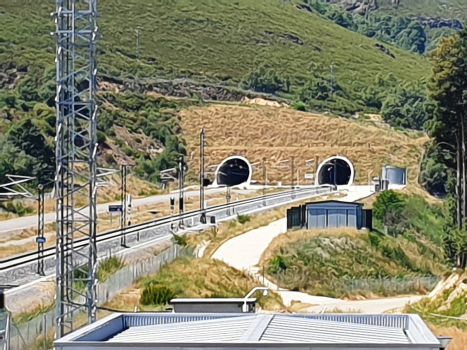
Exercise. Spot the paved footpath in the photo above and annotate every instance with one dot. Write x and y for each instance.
(244, 253)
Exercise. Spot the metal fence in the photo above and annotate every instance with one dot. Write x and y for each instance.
(25, 335)
(383, 286)
(389, 286)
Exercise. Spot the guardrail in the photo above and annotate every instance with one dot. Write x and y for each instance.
(150, 230)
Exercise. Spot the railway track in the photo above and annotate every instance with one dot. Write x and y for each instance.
(187, 218)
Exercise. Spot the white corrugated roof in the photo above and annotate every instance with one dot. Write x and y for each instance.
(223, 330)
(283, 329)
(264, 328)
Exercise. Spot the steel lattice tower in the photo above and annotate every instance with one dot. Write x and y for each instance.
(76, 169)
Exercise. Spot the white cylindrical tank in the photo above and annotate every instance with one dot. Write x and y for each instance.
(394, 175)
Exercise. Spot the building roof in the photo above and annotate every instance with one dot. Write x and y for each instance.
(211, 300)
(330, 331)
(334, 202)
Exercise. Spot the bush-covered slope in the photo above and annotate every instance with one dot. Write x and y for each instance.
(220, 41)
(327, 262)
(225, 47)
(277, 134)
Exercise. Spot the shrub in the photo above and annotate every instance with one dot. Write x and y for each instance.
(17, 208)
(109, 158)
(385, 202)
(156, 295)
(243, 218)
(279, 263)
(101, 137)
(108, 267)
(300, 106)
(180, 240)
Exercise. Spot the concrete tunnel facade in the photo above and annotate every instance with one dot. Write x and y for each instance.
(336, 170)
(233, 171)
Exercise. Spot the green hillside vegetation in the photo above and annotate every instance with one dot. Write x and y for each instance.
(447, 10)
(128, 125)
(221, 42)
(429, 8)
(328, 262)
(242, 47)
(414, 25)
(404, 32)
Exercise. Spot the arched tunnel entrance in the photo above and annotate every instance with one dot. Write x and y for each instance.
(233, 171)
(335, 171)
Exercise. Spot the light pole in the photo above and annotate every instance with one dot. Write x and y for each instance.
(332, 80)
(138, 46)
(202, 166)
(40, 230)
(265, 177)
(282, 162)
(292, 164)
(123, 201)
(181, 194)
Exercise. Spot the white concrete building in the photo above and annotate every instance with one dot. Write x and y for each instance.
(167, 331)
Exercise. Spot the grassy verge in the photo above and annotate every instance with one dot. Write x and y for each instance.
(227, 230)
(195, 278)
(459, 336)
(140, 214)
(326, 262)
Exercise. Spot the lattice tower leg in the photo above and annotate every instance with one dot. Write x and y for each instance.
(76, 171)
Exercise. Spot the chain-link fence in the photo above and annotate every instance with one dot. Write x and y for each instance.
(36, 333)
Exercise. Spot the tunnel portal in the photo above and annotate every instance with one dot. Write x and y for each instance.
(336, 171)
(234, 171)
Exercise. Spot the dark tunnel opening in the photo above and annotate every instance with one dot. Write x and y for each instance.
(335, 172)
(233, 172)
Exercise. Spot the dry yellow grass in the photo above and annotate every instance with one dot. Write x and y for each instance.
(279, 133)
(459, 336)
(196, 278)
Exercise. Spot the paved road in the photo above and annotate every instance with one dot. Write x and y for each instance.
(30, 221)
(244, 253)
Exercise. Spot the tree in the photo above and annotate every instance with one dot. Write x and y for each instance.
(434, 173)
(448, 91)
(387, 203)
(267, 81)
(406, 108)
(28, 152)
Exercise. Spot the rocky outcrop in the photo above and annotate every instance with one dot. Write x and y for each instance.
(447, 291)
(438, 22)
(304, 7)
(182, 88)
(356, 6)
(286, 36)
(384, 50)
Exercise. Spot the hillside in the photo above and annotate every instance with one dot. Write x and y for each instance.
(447, 9)
(202, 50)
(212, 42)
(422, 21)
(343, 262)
(280, 133)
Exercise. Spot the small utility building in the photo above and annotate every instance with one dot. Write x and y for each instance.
(329, 214)
(204, 331)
